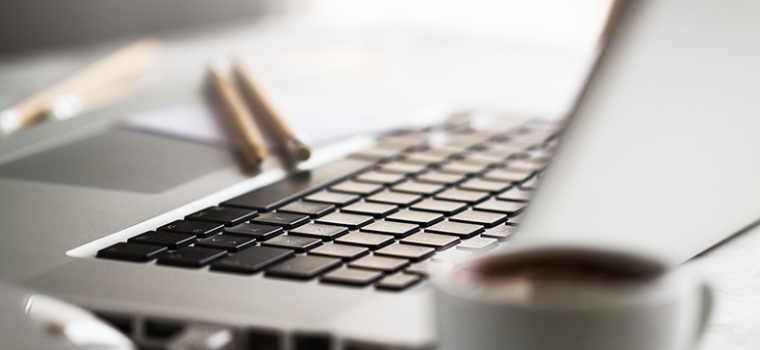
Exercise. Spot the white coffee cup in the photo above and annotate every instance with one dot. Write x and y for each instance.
(569, 298)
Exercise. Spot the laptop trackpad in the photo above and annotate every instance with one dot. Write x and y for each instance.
(121, 160)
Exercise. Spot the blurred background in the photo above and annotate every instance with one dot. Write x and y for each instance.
(391, 58)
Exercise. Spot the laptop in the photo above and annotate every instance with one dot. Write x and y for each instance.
(656, 159)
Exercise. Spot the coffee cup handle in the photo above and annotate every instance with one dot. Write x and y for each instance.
(705, 311)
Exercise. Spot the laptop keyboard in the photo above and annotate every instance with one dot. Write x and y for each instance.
(382, 217)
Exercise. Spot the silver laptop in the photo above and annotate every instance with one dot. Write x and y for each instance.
(158, 235)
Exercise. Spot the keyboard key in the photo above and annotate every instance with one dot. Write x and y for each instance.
(303, 267)
(198, 228)
(375, 177)
(504, 207)
(312, 209)
(452, 255)
(258, 231)
(530, 184)
(323, 232)
(298, 185)
(524, 166)
(457, 195)
(403, 168)
(251, 260)
(479, 218)
(379, 263)
(435, 177)
(165, 239)
(443, 207)
(227, 242)
(444, 151)
(420, 268)
(190, 257)
(339, 199)
(418, 188)
(456, 229)
(369, 240)
(517, 219)
(485, 186)
(516, 195)
(131, 252)
(341, 251)
(395, 229)
(406, 251)
(500, 232)
(433, 240)
(459, 168)
(222, 215)
(482, 160)
(354, 277)
(502, 175)
(425, 159)
(285, 220)
(398, 282)
(377, 154)
(299, 244)
(477, 244)
(352, 187)
(421, 218)
(352, 221)
(374, 209)
(401, 199)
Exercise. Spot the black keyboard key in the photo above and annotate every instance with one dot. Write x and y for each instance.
(443, 207)
(455, 228)
(478, 244)
(190, 257)
(222, 215)
(340, 251)
(398, 282)
(323, 232)
(198, 228)
(503, 175)
(401, 199)
(435, 177)
(354, 277)
(459, 168)
(395, 229)
(516, 194)
(500, 232)
(457, 195)
(339, 199)
(433, 240)
(312, 209)
(418, 188)
(374, 209)
(369, 240)
(229, 243)
(379, 263)
(299, 244)
(131, 252)
(375, 177)
(352, 221)
(504, 207)
(258, 231)
(406, 251)
(485, 186)
(303, 267)
(479, 218)
(284, 220)
(251, 260)
(165, 239)
(421, 218)
(352, 187)
(403, 168)
(298, 185)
